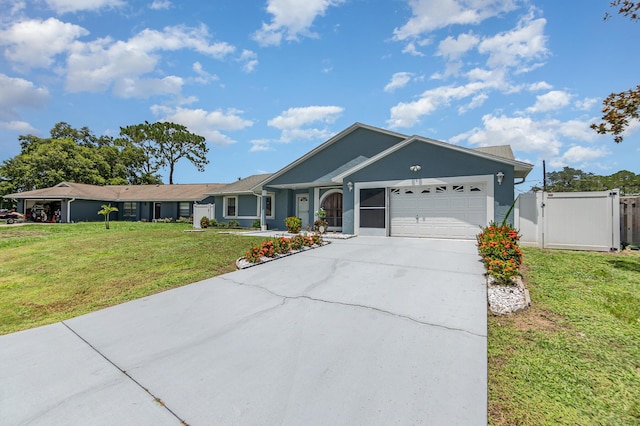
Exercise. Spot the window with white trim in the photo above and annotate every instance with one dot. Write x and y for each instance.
(231, 206)
(129, 210)
(183, 209)
(268, 205)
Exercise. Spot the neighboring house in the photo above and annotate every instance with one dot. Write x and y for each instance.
(372, 181)
(76, 202)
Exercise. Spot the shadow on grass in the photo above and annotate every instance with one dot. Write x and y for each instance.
(631, 264)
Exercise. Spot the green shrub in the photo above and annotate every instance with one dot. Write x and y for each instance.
(256, 224)
(234, 224)
(294, 224)
(204, 222)
(498, 246)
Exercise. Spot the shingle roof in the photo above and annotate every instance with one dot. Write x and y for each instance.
(179, 192)
(503, 151)
(241, 186)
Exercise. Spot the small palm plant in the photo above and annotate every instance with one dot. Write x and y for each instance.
(106, 211)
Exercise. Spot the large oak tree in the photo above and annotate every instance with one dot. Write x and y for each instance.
(166, 143)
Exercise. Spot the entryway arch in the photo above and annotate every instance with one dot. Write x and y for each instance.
(331, 202)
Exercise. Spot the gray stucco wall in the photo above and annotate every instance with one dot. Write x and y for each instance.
(86, 210)
(361, 142)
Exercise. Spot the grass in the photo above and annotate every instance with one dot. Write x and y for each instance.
(574, 357)
(55, 272)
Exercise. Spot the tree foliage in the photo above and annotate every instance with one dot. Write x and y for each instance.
(619, 108)
(166, 143)
(71, 155)
(106, 211)
(576, 180)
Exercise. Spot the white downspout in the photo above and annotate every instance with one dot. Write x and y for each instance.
(69, 209)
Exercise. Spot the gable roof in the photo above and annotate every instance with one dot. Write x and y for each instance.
(241, 186)
(326, 144)
(503, 151)
(521, 169)
(176, 192)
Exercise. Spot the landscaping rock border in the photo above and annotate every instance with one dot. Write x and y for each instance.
(243, 263)
(507, 299)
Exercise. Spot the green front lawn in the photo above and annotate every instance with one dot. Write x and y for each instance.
(53, 272)
(574, 357)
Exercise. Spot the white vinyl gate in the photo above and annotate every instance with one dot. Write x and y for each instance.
(570, 220)
(202, 210)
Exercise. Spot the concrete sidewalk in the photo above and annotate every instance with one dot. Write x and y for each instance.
(366, 331)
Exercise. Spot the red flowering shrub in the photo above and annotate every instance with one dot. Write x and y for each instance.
(498, 246)
(281, 245)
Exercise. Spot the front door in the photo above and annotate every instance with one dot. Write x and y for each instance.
(302, 209)
(157, 210)
(332, 205)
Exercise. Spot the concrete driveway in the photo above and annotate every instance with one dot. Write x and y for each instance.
(366, 331)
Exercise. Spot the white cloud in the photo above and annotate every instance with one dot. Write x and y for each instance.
(539, 85)
(21, 127)
(260, 145)
(577, 155)
(398, 81)
(411, 49)
(429, 15)
(586, 104)
(180, 37)
(160, 5)
(144, 88)
(291, 19)
(203, 76)
(35, 43)
(454, 48)
(209, 124)
(552, 100)
(524, 134)
(97, 65)
(294, 121)
(64, 6)
(17, 8)
(476, 102)
(17, 92)
(518, 47)
(250, 60)
(408, 114)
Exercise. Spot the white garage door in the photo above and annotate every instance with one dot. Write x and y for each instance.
(439, 211)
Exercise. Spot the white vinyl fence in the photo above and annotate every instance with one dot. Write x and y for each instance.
(202, 210)
(569, 220)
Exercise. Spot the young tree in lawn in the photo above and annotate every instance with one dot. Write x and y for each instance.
(620, 108)
(166, 143)
(107, 209)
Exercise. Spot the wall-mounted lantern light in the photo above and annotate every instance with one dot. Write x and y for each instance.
(350, 186)
(500, 176)
(415, 168)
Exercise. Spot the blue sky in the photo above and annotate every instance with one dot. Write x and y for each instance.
(266, 81)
